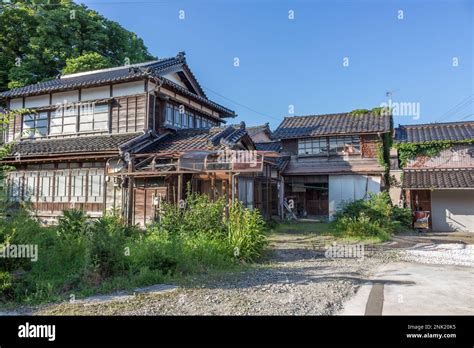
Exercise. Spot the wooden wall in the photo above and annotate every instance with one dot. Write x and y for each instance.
(49, 188)
(128, 114)
(368, 144)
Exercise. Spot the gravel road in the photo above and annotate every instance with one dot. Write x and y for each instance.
(294, 279)
(444, 254)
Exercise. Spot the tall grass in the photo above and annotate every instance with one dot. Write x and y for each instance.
(83, 256)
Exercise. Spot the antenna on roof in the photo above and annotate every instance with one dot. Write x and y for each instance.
(389, 95)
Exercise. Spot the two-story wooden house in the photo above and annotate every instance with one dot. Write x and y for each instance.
(439, 175)
(86, 135)
(333, 159)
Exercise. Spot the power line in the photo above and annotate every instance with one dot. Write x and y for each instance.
(212, 91)
(466, 117)
(456, 108)
(241, 105)
(460, 108)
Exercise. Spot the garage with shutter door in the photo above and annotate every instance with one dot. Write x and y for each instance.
(453, 210)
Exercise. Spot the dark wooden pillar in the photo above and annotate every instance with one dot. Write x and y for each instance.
(180, 188)
(268, 198)
(213, 187)
(130, 193)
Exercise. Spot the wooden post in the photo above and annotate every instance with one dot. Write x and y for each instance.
(269, 197)
(230, 189)
(144, 201)
(180, 188)
(130, 194)
(213, 187)
(225, 194)
(281, 201)
(408, 199)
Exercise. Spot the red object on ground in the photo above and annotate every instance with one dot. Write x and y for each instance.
(420, 215)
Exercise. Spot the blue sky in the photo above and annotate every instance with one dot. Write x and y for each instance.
(299, 62)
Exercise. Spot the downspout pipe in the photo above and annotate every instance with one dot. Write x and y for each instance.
(233, 185)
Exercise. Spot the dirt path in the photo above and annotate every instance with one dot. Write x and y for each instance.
(295, 279)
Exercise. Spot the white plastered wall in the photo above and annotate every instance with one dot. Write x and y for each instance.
(452, 210)
(344, 188)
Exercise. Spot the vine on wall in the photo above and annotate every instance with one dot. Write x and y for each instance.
(409, 151)
(383, 155)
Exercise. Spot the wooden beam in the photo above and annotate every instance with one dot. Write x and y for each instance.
(74, 157)
(180, 188)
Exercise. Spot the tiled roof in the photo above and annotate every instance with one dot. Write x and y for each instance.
(258, 129)
(419, 133)
(92, 78)
(269, 146)
(99, 143)
(441, 178)
(253, 130)
(215, 138)
(321, 125)
(279, 162)
(113, 75)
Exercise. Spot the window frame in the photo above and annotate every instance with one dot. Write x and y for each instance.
(94, 115)
(310, 144)
(332, 145)
(341, 141)
(37, 117)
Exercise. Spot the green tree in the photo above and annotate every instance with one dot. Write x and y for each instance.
(37, 38)
(88, 61)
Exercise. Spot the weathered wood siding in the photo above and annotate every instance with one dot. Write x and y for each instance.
(128, 114)
(52, 188)
(148, 193)
(365, 162)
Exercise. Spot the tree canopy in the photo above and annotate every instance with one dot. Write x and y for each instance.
(86, 62)
(43, 38)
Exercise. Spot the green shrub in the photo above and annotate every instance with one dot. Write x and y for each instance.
(106, 251)
(5, 284)
(21, 228)
(198, 215)
(83, 256)
(402, 216)
(202, 252)
(360, 227)
(72, 224)
(157, 251)
(245, 232)
(374, 217)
